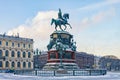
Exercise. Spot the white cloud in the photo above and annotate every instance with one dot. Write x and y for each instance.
(103, 15)
(97, 18)
(100, 4)
(38, 28)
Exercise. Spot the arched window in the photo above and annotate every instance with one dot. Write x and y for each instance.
(24, 64)
(18, 54)
(24, 54)
(0, 63)
(0, 42)
(12, 44)
(29, 55)
(18, 44)
(0, 53)
(7, 53)
(18, 64)
(6, 43)
(29, 45)
(29, 64)
(24, 45)
(12, 54)
(7, 64)
(13, 64)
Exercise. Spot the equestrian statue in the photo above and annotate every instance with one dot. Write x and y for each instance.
(62, 20)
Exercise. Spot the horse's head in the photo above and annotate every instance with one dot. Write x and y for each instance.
(52, 21)
(66, 16)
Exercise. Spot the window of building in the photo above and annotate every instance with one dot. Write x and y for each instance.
(24, 54)
(7, 64)
(18, 44)
(29, 64)
(6, 43)
(18, 54)
(0, 53)
(12, 44)
(24, 45)
(7, 53)
(0, 63)
(12, 54)
(24, 64)
(18, 64)
(29, 45)
(0, 42)
(29, 55)
(13, 64)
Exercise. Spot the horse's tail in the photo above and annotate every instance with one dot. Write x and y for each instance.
(52, 21)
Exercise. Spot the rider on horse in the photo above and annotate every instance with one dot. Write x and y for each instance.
(62, 20)
(60, 15)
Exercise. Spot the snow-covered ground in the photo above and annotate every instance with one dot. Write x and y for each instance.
(109, 76)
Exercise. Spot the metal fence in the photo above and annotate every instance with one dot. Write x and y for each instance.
(61, 72)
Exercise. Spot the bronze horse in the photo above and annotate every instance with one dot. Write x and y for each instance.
(59, 22)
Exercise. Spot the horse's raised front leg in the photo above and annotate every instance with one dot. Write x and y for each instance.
(56, 27)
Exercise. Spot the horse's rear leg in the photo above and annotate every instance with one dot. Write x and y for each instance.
(60, 27)
(56, 28)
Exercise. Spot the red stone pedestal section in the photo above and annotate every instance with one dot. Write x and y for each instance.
(68, 60)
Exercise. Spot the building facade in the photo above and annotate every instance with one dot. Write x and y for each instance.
(96, 62)
(84, 60)
(40, 60)
(110, 62)
(16, 53)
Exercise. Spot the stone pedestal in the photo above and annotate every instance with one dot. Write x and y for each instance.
(61, 51)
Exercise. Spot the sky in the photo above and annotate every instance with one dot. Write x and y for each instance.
(95, 23)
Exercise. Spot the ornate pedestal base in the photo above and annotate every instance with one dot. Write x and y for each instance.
(61, 52)
(66, 66)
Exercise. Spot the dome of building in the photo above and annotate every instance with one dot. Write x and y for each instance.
(110, 57)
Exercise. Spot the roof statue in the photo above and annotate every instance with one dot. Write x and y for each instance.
(62, 20)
